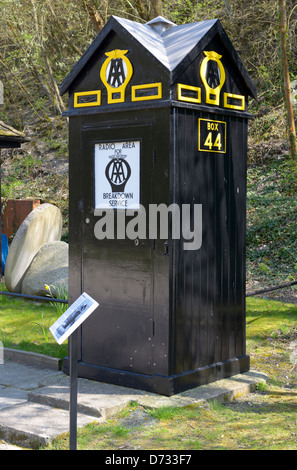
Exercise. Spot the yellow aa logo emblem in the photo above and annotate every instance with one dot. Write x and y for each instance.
(115, 73)
(213, 76)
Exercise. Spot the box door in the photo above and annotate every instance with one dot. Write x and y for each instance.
(117, 270)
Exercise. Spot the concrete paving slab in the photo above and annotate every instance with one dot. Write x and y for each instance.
(101, 399)
(32, 359)
(94, 398)
(25, 377)
(34, 402)
(221, 390)
(32, 425)
(11, 396)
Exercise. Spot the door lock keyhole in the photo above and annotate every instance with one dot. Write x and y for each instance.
(165, 248)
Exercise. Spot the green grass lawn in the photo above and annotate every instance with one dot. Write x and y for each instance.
(25, 325)
(271, 223)
(266, 419)
(271, 330)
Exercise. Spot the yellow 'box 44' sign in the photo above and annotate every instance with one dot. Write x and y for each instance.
(212, 136)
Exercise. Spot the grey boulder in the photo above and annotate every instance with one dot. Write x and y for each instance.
(48, 268)
(43, 225)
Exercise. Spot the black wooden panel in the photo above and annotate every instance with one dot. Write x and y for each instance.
(209, 284)
(118, 273)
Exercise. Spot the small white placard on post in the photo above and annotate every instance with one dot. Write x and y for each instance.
(73, 317)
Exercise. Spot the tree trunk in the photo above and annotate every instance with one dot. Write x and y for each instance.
(286, 78)
(228, 8)
(94, 15)
(157, 7)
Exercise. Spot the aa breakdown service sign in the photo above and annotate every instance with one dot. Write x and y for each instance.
(117, 174)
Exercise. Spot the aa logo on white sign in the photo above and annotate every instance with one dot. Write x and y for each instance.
(117, 173)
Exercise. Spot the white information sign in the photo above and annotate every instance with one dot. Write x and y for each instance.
(117, 175)
(73, 317)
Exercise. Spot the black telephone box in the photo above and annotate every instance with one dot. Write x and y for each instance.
(157, 171)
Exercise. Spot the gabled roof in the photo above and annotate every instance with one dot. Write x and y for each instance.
(172, 45)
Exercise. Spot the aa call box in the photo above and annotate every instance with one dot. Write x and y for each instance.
(158, 119)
